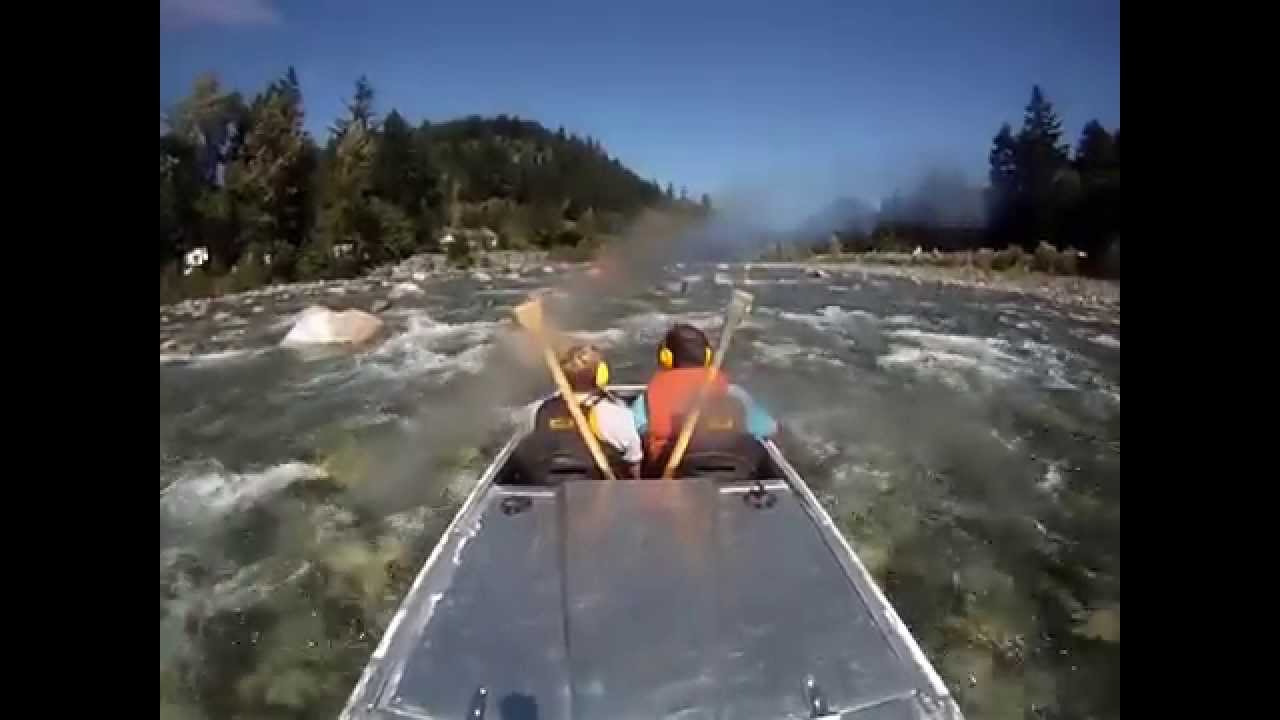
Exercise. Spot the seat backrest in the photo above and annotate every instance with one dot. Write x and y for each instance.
(534, 465)
(741, 464)
(717, 464)
(738, 456)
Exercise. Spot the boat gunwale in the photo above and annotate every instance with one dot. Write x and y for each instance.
(899, 635)
(376, 666)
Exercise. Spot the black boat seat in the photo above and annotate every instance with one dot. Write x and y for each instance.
(740, 457)
(549, 471)
(718, 465)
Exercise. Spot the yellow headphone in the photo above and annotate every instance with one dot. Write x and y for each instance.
(668, 361)
(564, 423)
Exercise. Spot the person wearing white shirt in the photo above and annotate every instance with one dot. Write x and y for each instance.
(555, 439)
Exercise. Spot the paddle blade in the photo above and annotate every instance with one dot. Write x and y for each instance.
(740, 305)
(529, 315)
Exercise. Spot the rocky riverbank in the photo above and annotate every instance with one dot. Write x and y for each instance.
(1065, 289)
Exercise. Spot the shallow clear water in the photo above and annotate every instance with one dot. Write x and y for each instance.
(967, 441)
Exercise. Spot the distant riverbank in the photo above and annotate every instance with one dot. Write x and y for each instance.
(1068, 289)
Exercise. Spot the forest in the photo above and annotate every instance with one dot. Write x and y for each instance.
(247, 190)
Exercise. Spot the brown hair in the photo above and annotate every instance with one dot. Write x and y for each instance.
(688, 345)
(579, 364)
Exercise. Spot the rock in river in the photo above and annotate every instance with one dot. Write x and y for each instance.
(321, 326)
(403, 290)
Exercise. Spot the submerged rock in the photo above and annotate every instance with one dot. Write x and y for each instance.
(319, 325)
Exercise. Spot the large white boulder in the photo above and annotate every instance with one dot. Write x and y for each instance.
(321, 326)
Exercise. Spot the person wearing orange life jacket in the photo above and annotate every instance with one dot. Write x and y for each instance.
(555, 441)
(729, 416)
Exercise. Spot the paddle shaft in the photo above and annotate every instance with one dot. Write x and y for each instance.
(731, 322)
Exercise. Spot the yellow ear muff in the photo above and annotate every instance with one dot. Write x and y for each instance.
(668, 361)
(602, 374)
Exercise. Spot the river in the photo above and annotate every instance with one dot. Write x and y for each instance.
(966, 440)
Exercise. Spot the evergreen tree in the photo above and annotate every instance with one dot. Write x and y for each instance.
(359, 111)
(209, 120)
(1041, 159)
(269, 181)
(355, 229)
(1096, 151)
(180, 189)
(402, 172)
(1003, 159)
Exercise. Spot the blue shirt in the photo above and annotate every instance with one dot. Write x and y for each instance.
(759, 422)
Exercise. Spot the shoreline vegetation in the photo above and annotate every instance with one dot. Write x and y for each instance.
(249, 199)
(962, 269)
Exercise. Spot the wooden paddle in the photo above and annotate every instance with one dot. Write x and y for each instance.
(529, 316)
(738, 308)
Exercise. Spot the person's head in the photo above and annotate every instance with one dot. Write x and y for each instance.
(684, 346)
(584, 367)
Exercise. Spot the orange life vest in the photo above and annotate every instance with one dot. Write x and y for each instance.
(669, 396)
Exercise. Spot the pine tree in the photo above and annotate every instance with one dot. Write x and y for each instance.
(209, 120)
(1041, 154)
(1030, 176)
(1096, 151)
(1003, 159)
(359, 111)
(269, 181)
(349, 218)
(402, 172)
(180, 189)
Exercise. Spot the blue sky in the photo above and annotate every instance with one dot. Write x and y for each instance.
(788, 103)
